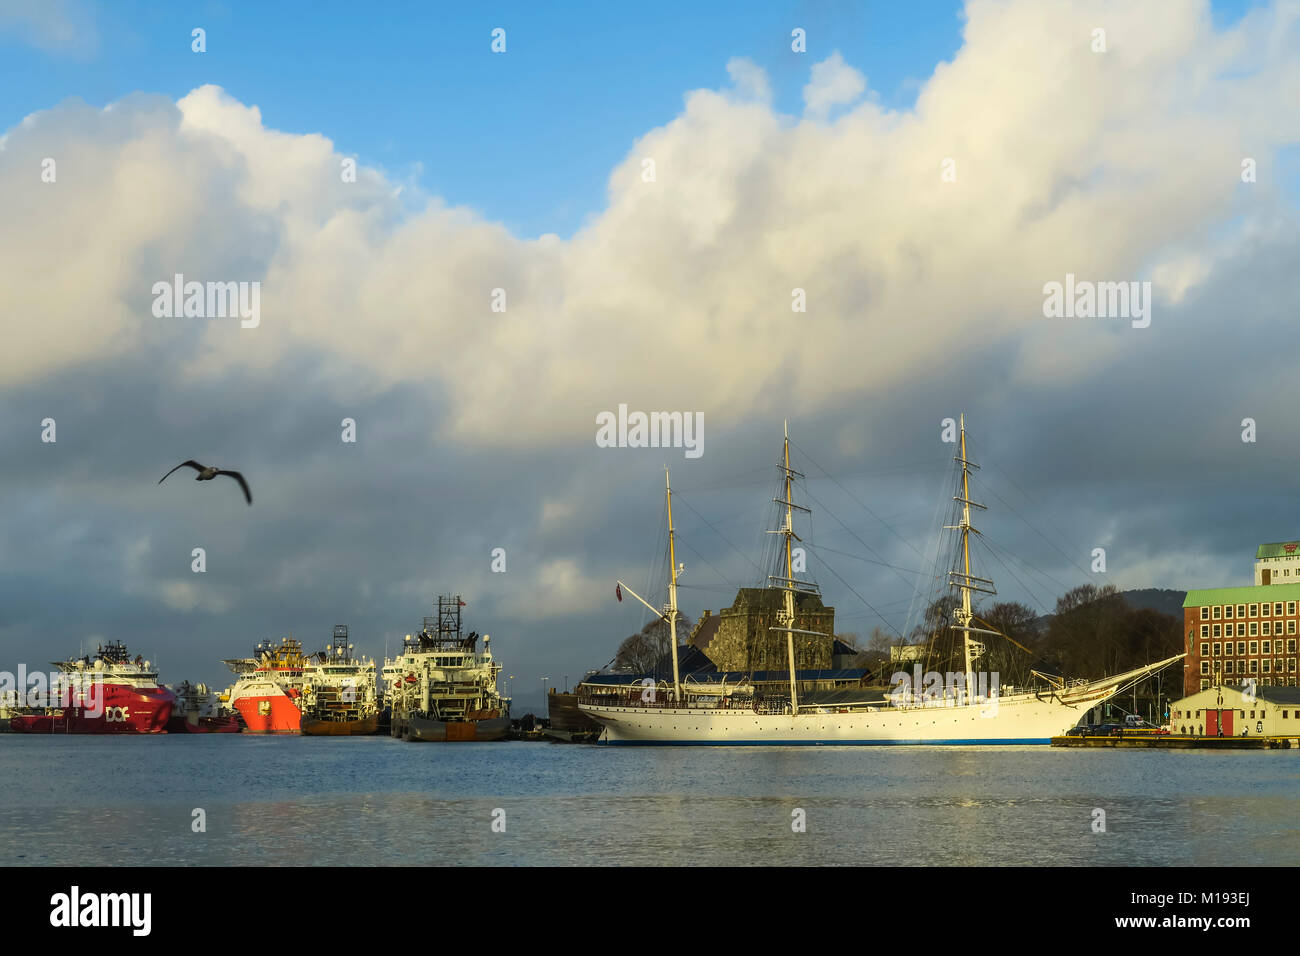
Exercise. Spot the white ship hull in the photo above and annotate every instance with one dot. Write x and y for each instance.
(1010, 719)
(1016, 721)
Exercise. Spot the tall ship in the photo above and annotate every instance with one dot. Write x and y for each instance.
(133, 702)
(440, 688)
(269, 687)
(340, 698)
(967, 710)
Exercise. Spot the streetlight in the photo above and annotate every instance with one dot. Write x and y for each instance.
(544, 680)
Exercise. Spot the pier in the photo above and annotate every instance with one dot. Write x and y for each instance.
(1180, 742)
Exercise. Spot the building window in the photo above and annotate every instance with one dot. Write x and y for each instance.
(1264, 647)
(1277, 609)
(1205, 650)
(1205, 667)
(1205, 630)
(1227, 611)
(1241, 630)
(1218, 630)
(1254, 628)
(1227, 667)
(1254, 610)
(1254, 667)
(1254, 647)
(1217, 649)
(1218, 612)
(1290, 608)
(1205, 685)
(1241, 610)
(1241, 648)
(1290, 665)
(1267, 666)
(1290, 627)
(1264, 630)
(1290, 646)
(1205, 613)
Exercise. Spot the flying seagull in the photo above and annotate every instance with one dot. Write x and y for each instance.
(207, 473)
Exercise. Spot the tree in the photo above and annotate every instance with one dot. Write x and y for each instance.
(643, 651)
(1009, 659)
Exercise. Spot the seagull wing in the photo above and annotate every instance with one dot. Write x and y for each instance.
(192, 463)
(242, 483)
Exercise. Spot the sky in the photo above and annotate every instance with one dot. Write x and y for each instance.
(920, 171)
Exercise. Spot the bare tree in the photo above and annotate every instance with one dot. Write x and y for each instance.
(642, 652)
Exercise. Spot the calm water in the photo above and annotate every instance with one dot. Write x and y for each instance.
(103, 800)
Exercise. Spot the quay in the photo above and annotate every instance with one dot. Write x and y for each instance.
(1180, 742)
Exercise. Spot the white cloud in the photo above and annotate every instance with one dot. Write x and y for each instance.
(834, 83)
(677, 295)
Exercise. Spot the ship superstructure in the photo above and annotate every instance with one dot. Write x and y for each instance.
(440, 688)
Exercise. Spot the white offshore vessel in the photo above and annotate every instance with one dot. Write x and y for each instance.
(440, 688)
(340, 696)
(970, 713)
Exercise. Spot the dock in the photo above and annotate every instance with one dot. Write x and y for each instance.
(1179, 742)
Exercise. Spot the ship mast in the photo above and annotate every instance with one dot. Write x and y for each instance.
(963, 580)
(672, 590)
(669, 615)
(786, 618)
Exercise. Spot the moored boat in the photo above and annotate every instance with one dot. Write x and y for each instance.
(198, 711)
(106, 694)
(339, 699)
(268, 692)
(965, 711)
(440, 688)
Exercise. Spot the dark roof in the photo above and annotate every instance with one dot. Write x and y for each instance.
(833, 698)
(689, 660)
(706, 632)
(731, 677)
(1278, 695)
(839, 647)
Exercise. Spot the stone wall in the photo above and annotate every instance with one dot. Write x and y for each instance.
(744, 642)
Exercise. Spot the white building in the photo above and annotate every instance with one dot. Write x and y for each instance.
(1238, 710)
(1278, 563)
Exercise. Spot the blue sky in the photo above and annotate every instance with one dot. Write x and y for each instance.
(527, 138)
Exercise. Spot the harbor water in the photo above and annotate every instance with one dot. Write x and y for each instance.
(103, 800)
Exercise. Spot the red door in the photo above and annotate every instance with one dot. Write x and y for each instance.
(1212, 723)
(1227, 723)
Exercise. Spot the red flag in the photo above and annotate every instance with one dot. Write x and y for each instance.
(461, 603)
(618, 592)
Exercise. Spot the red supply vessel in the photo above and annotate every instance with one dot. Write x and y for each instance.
(109, 693)
(268, 693)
